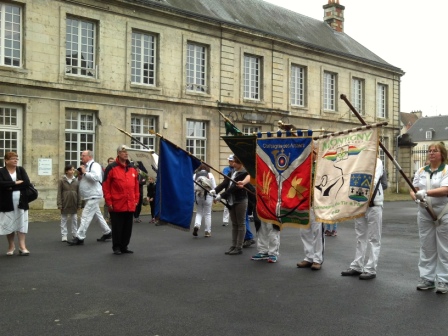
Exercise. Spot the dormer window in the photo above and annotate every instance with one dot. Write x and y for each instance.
(428, 135)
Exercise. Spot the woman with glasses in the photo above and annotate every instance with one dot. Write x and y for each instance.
(14, 204)
(431, 183)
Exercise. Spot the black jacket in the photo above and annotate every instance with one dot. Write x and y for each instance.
(239, 194)
(7, 186)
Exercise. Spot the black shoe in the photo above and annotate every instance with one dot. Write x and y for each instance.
(76, 241)
(127, 251)
(367, 276)
(248, 243)
(105, 237)
(350, 272)
(195, 231)
(236, 251)
(117, 252)
(230, 250)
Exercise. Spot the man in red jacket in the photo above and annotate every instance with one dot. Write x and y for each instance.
(121, 193)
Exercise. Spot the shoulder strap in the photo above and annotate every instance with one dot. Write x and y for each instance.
(375, 192)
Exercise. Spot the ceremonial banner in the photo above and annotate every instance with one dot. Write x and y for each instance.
(344, 174)
(174, 188)
(243, 146)
(147, 160)
(284, 181)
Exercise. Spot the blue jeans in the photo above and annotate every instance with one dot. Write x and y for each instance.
(249, 234)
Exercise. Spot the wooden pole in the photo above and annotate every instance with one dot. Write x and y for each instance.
(430, 211)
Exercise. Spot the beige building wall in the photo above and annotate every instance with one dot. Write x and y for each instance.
(44, 91)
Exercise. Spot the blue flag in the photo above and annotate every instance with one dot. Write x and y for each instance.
(175, 187)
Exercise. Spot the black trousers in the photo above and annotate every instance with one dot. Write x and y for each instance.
(121, 229)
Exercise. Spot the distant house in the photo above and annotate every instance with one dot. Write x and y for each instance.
(424, 132)
(408, 120)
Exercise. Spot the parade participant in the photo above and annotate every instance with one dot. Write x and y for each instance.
(91, 177)
(121, 192)
(204, 180)
(68, 201)
(105, 209)
(14, 204)
(431, 183)
(227, 171)
(368, 231)
(237, 200)
(313, 238)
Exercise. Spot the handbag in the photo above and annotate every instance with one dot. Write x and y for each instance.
(31, 193)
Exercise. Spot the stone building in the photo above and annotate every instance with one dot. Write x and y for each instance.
(73, 71)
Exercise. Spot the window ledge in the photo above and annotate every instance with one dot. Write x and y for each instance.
(145, 87)
(81, 79)
(253, 101)
(197, 93)
(13, 69)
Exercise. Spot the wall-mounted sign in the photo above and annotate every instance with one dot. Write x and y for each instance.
(44, 167)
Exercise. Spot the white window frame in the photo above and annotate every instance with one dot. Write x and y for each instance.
(381, 102)
(252, 77)
(250, 129)
(11, 48)
(80, 48)
(143, 59)
(140, 127)
(428, 135)
(196, 67)
(80, 134)
(297, 85)
(358, 95)
(382, 153)
(196, 140)
(11, 132)
(330, 81)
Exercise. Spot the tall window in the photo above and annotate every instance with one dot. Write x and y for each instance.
(80, 47)
(196, 139)
(140, 127)
(382, 154)
(143, 65)
(252, 72)
(381, 102)
(10, 131)
(358, 95)
(79, 135)
(250, 130)
(196, 68)
(297, 85)
(329, 91)
(10, 35)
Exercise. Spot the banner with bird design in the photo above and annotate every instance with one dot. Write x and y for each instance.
(344, 174)
(283, 176)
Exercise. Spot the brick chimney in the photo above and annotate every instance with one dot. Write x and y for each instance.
(334, 15)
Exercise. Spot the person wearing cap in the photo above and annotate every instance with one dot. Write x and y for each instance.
(122, 194)
(90, 179)
(227, 171)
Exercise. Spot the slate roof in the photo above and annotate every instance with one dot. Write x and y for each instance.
(408, 119)
(438, 125)
(276, 21)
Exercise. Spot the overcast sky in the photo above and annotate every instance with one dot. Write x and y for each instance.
(408, 34)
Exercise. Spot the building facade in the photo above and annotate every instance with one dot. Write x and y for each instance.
(73, 72)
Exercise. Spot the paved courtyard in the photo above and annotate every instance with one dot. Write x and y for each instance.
(175, 285)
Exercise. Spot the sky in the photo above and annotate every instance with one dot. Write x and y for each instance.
(408, 34)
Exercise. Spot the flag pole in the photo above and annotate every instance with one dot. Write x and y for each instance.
(430, 211)
(189, 154)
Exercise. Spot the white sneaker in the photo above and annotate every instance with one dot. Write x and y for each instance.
(442, 288)
(64, 238)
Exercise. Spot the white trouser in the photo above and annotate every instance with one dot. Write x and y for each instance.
(368, 240)
(89, 213)
(204, 209)
(225, 215)
(73, 218)
(313, 240)
(433, 248)
(268, 239)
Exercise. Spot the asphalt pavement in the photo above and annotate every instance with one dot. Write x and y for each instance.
(175, 284)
